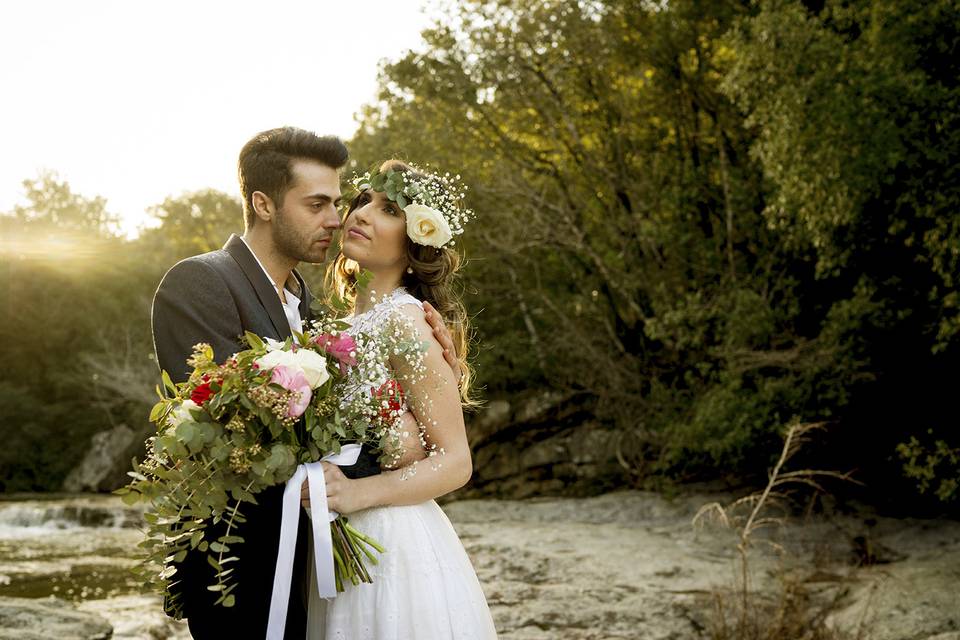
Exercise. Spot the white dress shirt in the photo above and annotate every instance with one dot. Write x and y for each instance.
(291, 308)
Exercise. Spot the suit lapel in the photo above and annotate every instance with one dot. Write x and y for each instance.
(306, 299)
(261, 284)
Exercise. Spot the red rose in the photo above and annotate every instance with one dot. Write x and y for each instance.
(393, 394)
(201, 394)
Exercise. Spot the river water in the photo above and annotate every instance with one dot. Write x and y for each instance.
(81, 548)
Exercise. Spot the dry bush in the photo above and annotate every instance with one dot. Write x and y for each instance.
(793, 611)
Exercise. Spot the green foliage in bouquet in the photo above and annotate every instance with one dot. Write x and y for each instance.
(229, 432)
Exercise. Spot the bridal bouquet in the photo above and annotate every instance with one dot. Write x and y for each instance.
(234, 429)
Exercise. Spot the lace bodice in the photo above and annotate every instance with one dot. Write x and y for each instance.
(375, 319)
(367, 376)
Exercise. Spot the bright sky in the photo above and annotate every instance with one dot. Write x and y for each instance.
(136, 101)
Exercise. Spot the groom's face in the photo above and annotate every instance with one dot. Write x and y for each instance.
(306, 220)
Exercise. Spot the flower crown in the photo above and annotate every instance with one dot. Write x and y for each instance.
(432, 202)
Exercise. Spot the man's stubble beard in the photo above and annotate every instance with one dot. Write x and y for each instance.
(292, 244)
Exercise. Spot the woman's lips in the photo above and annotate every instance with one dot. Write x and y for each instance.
(356, 233)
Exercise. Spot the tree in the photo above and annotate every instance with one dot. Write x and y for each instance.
(53, 205)
(706, 220)
(193, 223)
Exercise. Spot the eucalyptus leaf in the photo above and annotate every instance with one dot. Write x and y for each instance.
(253, 340)
(168, 383)
(157, 411)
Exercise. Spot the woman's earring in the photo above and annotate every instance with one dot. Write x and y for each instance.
(410, 270)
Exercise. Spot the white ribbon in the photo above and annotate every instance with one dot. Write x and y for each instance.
(322, 543)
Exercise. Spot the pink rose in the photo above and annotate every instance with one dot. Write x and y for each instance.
(296, 382)
(341, 347)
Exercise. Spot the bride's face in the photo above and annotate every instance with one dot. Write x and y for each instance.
(375, 233)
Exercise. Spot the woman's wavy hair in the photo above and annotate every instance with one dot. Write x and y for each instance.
(435, 279)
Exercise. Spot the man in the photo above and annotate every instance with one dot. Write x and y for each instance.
(290, 184)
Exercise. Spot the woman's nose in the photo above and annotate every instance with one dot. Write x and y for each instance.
(360, 215)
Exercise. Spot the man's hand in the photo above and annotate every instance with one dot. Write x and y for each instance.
(443, 336)
(343, 495)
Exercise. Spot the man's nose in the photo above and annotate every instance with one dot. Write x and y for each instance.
(332, 219)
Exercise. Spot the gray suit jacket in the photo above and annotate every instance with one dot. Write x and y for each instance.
(214, 298)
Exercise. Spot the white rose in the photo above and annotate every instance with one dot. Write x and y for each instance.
(276, 358)
(274, 345)
(310, 363)
(313, 365)
(427, 226)
(182, 413)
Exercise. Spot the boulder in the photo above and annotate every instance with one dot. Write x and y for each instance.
(45, 618)
(546, 444)
(109, 451)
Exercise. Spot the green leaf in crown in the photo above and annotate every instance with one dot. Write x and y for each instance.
(443, 194)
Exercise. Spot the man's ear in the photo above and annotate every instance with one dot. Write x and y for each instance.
(262, 205)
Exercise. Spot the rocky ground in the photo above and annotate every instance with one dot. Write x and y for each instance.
(630, 565)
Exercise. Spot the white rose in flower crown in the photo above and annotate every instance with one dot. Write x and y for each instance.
(427, 226)
(312, 364)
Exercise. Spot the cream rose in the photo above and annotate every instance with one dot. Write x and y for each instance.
(427, 226)
(181, 414)
(312, 364)
(275, 358)
(274, 345)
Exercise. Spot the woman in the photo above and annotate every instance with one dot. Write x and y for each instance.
(424, 585)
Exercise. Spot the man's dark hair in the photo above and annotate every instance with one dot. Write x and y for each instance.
(264, 163)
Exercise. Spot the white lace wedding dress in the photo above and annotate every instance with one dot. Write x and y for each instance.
(424, 587)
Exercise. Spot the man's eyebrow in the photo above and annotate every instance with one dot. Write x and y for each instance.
(324, 197)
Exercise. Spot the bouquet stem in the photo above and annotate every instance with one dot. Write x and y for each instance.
(349, 550)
